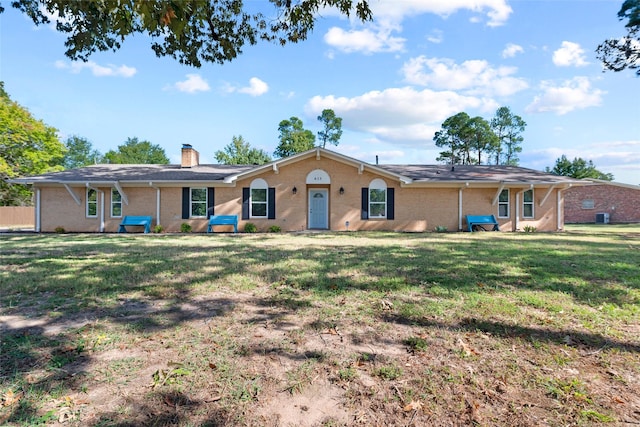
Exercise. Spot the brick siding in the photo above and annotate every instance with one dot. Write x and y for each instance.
(620, 202)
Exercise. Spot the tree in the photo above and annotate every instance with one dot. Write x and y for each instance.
(239, 152)
(294, 138)
(27, 147)
(451, 136)
(578, 168)
(624, 52)
(481, 139)
(80, 152)
(332, 128)
(508, 127)
(137, 152)
(191, 31)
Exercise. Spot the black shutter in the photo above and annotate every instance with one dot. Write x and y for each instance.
(391, 208)
(245, 202)
(186, 212)
(271, 208)
(364, 213)
(210, 201)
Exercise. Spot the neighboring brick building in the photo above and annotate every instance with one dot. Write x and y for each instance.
(317, 189)
(621, 202)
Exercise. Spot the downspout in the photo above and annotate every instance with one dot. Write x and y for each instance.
(101, 211)
(460, 206)
(560, 208)
(157, 202)
(37, 211)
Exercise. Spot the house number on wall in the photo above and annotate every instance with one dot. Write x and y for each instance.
(318, 176)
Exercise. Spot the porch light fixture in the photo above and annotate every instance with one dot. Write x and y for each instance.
(294, 191)
(341, 191)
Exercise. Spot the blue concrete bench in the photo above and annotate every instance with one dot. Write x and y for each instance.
(223, 220)
(141, 221)
(479, 220)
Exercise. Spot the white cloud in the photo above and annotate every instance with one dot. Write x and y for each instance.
(622, 160)
(497, 11)
(573, 94)
(475, 77)
(256, 87)
(570, 54)
(512, 50)
(389, 14)
(398, 114)
(194, 83)
(436, 36)
(366, 41)
(109, 70)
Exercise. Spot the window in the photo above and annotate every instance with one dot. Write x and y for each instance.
(588, 204)
(92, 203)
(198, 202)
(258, 198)
(116, 203)
(503, 204)
(377, 199)
(527, 204)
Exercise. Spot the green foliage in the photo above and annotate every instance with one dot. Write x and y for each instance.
(191, 32)
(250, 228)
(440, 229)
(60, 230)
(416, 344)
(240, 152)
(508, 128)
(27, 147)
(474, 140)
(388, 372)
(620, 53)
(158, 229)
(294, 138)
(332, 128)
(185, 227)
(529, 229)
(80, 152)
(134, 151)
(275, 229)
(578, 168)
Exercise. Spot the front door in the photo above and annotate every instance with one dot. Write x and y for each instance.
(319, 208)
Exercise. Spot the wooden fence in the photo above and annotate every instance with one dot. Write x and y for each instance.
(17, 216)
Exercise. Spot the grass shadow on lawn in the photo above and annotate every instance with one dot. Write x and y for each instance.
(53, 285)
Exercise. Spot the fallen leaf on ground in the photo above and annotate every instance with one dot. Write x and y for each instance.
(415, 405)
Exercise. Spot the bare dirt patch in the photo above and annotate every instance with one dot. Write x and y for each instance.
(256, 359)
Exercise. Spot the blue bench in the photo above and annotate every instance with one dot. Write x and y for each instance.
(223, 220)
(141, 221)
(479, 220)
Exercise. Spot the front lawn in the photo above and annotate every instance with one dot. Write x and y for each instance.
(321, 329)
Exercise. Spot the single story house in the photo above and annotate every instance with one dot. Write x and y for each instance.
(318, 189)
(602, 202)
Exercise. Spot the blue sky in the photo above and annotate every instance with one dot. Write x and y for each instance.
(393, 81)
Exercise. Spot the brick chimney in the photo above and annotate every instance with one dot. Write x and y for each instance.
(190, 157)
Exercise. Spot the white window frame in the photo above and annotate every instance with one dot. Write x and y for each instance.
(90, 203)
(526, 203)
(505, 203)
(259, 185)
(193, 202)
(375, 186)
(116, 200)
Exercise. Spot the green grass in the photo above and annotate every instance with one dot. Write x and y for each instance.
(461, 303)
